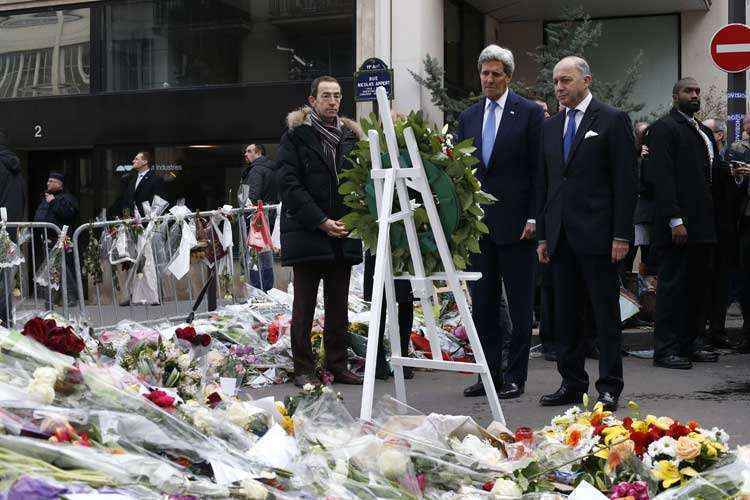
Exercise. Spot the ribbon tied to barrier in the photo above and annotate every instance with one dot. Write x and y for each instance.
(180, 264)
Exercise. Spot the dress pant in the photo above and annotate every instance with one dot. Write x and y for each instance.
(307, 276)
(514, 266)
(547, 309)
(681, 303)
(575, 275)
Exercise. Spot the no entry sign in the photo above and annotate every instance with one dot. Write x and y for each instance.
(730, 48)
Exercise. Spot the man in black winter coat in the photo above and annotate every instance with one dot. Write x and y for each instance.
(259, 176)
(60, 208)
(314, 241)
(683, 161)
(13, 198)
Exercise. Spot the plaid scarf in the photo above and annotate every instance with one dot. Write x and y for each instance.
(330, 135)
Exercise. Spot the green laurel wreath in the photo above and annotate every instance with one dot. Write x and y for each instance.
(439, 157)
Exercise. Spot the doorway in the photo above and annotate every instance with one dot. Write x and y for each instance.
(79, 179)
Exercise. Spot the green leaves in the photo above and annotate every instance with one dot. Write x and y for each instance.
(458, 165)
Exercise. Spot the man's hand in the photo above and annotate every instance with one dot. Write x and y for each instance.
(679, 235)
(334, 228)
(619, 250)
(529, 231)
(49, 197)
(541, 252)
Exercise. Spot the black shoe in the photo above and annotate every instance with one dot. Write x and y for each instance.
(593, 353)
(304, 379)
(722, 341)
(608, 400)
(701, 356)
(510, 390)
(476, 390)
(673, 362)
(563, 396)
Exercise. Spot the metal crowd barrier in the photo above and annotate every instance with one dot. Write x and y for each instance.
(176, 297)
(21, 295)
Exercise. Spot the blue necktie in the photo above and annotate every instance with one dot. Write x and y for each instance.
(570, 133)
(488, 134)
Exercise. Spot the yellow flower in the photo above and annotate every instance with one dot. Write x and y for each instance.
(598, 407)
(687, 449)
(711, 451)
(639, 426)
(632, 405)
(689, 472)
(666, 472)
(697, 437)
(281, 409)
(662, 423)
(614, 434)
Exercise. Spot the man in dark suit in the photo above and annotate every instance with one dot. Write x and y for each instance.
(142, 186)
(683, 161)
(506, 131)
(585, 225)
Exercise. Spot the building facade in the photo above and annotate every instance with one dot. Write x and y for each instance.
(85, 85)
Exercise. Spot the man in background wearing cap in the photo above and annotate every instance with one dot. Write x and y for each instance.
(60, 208)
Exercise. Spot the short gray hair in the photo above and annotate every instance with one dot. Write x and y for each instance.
(496, 53)
(579, 62)
(716, 125)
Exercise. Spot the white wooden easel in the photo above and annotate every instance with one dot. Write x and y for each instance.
(396, 180)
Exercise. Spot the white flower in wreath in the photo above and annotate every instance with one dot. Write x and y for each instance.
(664, 446)
(505, 488)
(46, 375)
(184, 361)
(393, 464)
(716, 434)
(202, 419)
(214, 358)
(308, 388)
(41, 392)
(253, 490)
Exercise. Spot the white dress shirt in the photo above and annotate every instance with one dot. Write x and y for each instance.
(582, 107)
(498, 116)
(141, 175)
(498, 110)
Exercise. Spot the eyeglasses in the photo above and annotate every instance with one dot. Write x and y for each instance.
(326, 96)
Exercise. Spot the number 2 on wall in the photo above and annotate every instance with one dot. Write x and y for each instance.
(38, 131)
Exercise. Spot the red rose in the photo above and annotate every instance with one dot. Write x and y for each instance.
(160, 399)
(676, 430)
(627, 422)
(73, 343)
(213, 399)
(273, 333)
(36, 329)
(187, 333)
(49, 324)
(56, 343)
(488, 486)
(205, 340)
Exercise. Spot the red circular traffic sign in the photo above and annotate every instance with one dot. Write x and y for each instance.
(730, 48)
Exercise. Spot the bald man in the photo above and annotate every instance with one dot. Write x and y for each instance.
(587, 191)
(683, 161)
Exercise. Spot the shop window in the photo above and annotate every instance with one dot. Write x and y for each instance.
(45, 53)
(153, 44)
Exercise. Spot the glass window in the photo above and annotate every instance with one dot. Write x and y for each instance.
(206, 176)
(464, 40)
(153, 44)
(45, 53)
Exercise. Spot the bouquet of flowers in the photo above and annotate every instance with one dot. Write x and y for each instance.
(50, 274)
(10, 256)
(57, 338)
